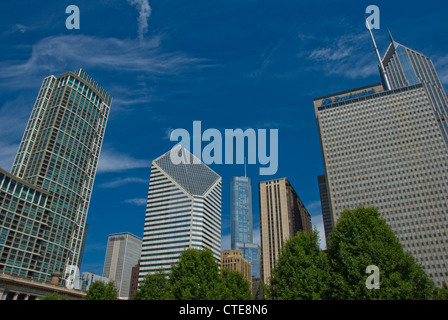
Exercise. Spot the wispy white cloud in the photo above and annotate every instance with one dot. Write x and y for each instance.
(57, 54)
(122, 181)
(7, 154)
(345, 56)
(441, 65)
(13, 117)
(314, 208)
(136, 201)
(112, 161)
(144, 11)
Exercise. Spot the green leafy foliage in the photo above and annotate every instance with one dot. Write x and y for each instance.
(195, 277)
(100, 291)
(53, 296)
(234, 286)
(155, 286)
(361, 238)
(302, 270)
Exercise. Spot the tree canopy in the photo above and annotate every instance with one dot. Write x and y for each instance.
(100, 291)
(302, 270)
(361, 238)
(196, 276)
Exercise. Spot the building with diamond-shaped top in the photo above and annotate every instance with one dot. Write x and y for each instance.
(183, 211)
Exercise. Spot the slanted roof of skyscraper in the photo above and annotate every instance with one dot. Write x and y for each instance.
(83, 75)
(193, 176)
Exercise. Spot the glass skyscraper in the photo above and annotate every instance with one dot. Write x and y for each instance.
(241, 222)
(183, 211)
(58, 154)
(406, 67)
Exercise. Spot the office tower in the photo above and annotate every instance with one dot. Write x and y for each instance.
(134, 280)
(122, 254)
(325, 205)
(234, 260)
(58, 154)
(183, 211)
(241, 222)
(406, 67)
(282, 215)
(385, 149)
(87, 278)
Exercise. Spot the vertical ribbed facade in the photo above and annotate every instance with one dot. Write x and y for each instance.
(183, 211)
(122, 254)
(241, 222)
(282, 215)
(59, 153)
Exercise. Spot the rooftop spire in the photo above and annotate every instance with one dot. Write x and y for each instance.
(245, 176)
(383, 75)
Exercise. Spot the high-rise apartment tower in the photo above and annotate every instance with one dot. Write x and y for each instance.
(58, 154)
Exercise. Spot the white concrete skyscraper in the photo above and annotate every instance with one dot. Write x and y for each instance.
(183, 211)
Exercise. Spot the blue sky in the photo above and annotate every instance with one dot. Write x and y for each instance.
(229, 64)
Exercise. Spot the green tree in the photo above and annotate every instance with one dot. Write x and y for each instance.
(361, 238)
(302, 270)
(53, 296)
(195, 276)
(441, 293)
(155, 287)
(100, 291)
(234, 286)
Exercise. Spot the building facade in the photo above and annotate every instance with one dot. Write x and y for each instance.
(122, 254)
(183, 211)
(58, 153)
(282, 215)
(385, 149)
(87, 278)
(25, 220)
(407, 67)
(241, 236)
(325, 205)
(133, 287)
(234, 260)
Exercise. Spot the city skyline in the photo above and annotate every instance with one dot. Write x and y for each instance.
(174, 71)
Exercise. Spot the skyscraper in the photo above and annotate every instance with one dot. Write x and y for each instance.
(384, 149)
(325, 205)
(282, 215)
(241, 222)
(234, 260)
(406, 67)
(183, 211)
(122, 254)
(58, 154)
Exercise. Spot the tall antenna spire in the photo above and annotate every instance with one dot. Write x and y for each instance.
(383, 75)
(245, 167)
